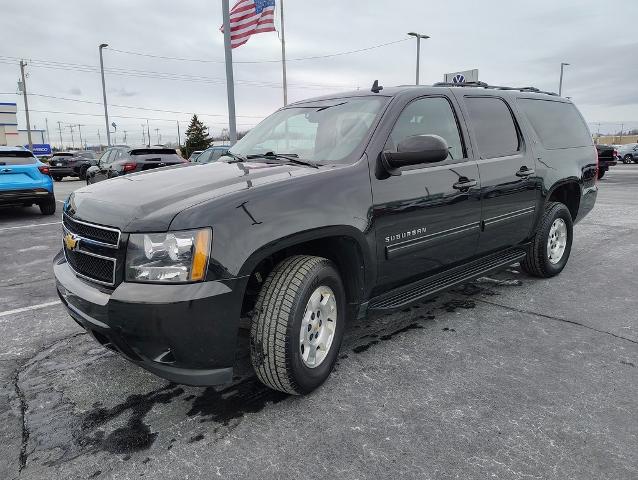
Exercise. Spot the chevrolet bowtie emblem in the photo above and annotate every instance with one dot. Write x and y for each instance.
(71, 241)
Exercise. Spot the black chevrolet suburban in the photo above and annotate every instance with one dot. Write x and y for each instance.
(331, 209)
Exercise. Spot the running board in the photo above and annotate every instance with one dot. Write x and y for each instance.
(422, 289)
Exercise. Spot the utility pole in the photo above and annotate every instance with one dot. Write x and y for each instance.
(26, 102)
(60, 130)
(46, 120)
(230, 81)
(124, 136)
(148, 133)
(560, 84)
(418, 37)
(157, 135)
(283, 54)
(622, 125)
(106, 111)
(179, 137)
(143, 135)
(71, 127)
(99, 138)
(80, 130)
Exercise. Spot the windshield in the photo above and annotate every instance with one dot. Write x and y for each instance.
(325, 131)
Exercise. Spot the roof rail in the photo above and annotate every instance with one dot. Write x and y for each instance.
(495, 87)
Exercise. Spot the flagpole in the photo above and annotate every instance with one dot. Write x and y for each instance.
(230, 82)
(283, 54)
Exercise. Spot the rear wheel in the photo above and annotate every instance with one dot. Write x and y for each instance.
(550, 248)
(57, 178)
(83, 172)
(628, 159)
(47, 207)
(298, 326)
(601, 173)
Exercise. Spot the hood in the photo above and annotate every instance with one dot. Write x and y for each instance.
(149, 201)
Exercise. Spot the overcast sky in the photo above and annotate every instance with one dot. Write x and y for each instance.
(511, 43)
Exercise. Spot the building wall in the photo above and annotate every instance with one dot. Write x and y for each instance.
(9, 124)
(616, 139)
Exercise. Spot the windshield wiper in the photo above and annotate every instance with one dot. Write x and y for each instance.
(288, 157)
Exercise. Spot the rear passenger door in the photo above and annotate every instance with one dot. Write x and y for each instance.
(509, 185)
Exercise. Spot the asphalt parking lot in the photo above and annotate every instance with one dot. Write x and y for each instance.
(507, 377)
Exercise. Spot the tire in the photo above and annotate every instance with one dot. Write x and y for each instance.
(82, 173)
(280, 312)
(57, 178)
(538, 261)
(47, 207)
(601, 173)
(627, 159)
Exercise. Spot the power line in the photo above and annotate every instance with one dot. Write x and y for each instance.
(130, 106)
(301, 59)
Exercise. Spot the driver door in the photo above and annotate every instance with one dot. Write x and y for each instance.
(428, 217)
(103, 165)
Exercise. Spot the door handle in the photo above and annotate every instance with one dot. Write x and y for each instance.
(465, 184)
(525, 172)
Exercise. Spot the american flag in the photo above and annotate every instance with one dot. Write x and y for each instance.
(249, 17)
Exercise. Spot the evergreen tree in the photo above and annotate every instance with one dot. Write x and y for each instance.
(196, 137)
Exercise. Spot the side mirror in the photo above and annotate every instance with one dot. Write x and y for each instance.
(415, 150)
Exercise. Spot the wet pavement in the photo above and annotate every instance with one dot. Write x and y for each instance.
(506, 377)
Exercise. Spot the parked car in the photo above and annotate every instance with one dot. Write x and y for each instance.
(71, 164)
(329, 210)
(212, 154)
(25, 180)
(117, 161)
(606, 158)
(628, 153)
(194, 155)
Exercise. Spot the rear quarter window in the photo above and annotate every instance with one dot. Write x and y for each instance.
(557, 124)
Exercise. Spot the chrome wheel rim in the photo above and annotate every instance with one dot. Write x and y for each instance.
(318, 327)
(557, 241)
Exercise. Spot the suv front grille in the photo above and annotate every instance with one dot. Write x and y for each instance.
(106, 235)
(91, 267)
(91, 250)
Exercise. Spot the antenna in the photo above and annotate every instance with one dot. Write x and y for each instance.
(376, 88)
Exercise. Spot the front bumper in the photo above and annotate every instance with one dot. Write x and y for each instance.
(30, 195)
(184, 333)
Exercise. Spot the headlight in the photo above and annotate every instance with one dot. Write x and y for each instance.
(172, 257)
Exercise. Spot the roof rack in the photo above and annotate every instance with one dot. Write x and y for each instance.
(495, 87)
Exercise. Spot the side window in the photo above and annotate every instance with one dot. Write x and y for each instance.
(204, 157)
(105, 159)
(494, 127)
(428, 116)
(557, 124)
(216, 154)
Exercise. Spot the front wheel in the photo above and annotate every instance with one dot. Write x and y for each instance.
(549, 251)
(83, 172)
(57, 178)
(298, 324)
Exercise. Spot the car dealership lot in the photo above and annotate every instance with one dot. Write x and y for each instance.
(509, 377)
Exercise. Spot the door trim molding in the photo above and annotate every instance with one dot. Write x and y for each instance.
(509, 216)
(402, 248)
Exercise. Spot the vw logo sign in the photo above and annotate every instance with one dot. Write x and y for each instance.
(458, 78)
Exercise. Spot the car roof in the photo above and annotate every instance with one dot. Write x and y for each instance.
(418, 90)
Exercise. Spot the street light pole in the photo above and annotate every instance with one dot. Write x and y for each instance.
(418, 37)
(106, 111)
(560, 85)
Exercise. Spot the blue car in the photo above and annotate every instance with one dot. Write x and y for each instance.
(25, 181)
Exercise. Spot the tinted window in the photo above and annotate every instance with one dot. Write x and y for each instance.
(428, 116)
(17, 158)
(557, 124)
(154, 151)
(216, 154)
(493, 126)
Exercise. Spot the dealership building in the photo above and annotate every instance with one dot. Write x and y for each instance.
(9, 124)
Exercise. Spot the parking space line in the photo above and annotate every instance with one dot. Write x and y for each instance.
(31, 226)
(26, 309)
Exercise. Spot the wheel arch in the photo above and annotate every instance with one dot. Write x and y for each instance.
(345, 246)
(567, 192)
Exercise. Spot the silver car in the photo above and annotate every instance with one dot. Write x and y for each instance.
(627, 153)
